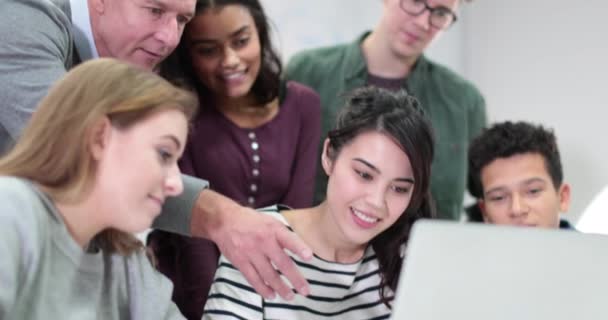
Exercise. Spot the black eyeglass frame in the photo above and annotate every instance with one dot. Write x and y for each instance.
(431, 11)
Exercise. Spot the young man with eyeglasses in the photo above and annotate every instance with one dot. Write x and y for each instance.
(391, 56)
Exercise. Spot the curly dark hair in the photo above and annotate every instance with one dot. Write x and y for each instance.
(178, 68)
(400, 116)
(507, 139)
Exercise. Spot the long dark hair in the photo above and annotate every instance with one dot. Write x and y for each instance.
(400, 116)
(178, 68)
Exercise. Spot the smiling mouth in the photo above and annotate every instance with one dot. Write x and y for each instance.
(231, 76)
(411, 37)
(158, 200)
(153, 54)
(364, 220)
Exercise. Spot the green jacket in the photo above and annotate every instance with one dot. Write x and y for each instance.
(455, 107)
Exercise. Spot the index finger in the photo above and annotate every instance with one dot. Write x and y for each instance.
(290, 241)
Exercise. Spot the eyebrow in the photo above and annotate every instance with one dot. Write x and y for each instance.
(164, 6)
(525, 182)
(439, 5)
(232, 35)
(372, 167)
(493, 190)
(174, 139)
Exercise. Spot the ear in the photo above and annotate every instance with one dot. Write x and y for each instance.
(326, 162)
(99, 137)
(482, 207)
(564, 197)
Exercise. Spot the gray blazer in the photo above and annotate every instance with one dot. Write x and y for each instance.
(36, 49)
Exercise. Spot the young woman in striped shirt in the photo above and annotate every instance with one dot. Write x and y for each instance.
(378, 160)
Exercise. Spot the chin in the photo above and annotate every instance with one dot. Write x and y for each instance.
(147, 64)
(140, 227)
(238, 92)
(405, 50)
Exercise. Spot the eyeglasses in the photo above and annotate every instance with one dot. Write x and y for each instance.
(440, 17)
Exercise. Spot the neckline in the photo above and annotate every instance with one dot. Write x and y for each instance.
(354, 264)
(63, 240)
(282, 103)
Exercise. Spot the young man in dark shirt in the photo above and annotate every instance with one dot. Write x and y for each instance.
(516, 174)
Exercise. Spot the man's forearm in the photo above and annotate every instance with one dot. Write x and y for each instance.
(208, 214)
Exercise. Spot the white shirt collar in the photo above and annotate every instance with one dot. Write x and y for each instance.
(81, 29)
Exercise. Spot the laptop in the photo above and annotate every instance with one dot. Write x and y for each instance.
(480, 272)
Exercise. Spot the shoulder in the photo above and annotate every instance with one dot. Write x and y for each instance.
(21, 207)
(24, 220)
(300, 90)
(32, 10)
(453, 81)
(275, 212)
(35, 24)
(328, 53)
(16, 193)
(317, 59)
(301, 94)
(14, 185)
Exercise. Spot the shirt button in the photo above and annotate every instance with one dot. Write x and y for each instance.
(256, 158)
(256, 172)
(251, 200)
(253, 187)
(255, 145)
(251, 135)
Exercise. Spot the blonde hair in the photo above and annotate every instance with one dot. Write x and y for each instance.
(53, 150)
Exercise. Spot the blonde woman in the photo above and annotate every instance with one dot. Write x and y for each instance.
(94, 165)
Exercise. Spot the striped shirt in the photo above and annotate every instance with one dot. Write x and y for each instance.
(337, 291)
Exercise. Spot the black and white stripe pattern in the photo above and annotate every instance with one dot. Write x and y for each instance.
(338, 291)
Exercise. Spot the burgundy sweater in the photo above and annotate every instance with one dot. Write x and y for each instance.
(274, 163)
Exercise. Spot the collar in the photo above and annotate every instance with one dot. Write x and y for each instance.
(81, 29)
(358, 67)
(354, 58)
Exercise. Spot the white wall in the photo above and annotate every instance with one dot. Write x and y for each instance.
(545, 61)
(302, 24)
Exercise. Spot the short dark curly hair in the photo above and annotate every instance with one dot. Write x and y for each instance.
(507, 139)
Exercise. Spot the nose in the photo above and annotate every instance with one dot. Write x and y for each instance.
(173, 182)
(423, 20)
(376, 196)
(518, 206)
(230, 59)
(169, 33)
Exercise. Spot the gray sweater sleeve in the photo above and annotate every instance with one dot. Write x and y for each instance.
(10, 253)
(177, 212)
(19, 246)
(35, 50)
